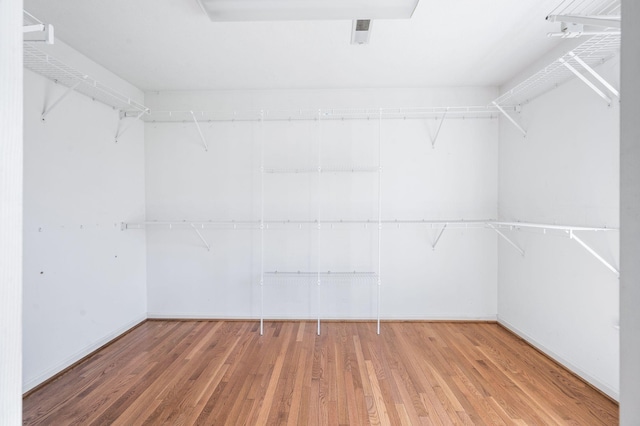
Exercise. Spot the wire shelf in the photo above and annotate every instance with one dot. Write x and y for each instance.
(594, 51)
(277, 224)
(588, 8)
(59, 72)
(463, 112)
(328, 277)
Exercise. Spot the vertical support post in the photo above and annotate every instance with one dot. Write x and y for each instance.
(11, 211)
(379, 283)
(514, 122)
(261, 141)
(319, 226)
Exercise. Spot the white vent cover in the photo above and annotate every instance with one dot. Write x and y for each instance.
(292, 10)
(361, 31)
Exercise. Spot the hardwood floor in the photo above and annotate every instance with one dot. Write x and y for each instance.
(214, 373)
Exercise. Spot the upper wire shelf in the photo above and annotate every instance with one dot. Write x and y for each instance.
(59, 72)
(594, 51)
(489, 112)
(588, 8)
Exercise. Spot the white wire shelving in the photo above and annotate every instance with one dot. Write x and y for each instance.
(57, 71)
(570, 231)
(593, 52)
(597, 16)
(461, 112)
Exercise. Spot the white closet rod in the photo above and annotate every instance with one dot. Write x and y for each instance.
(463, 112)
(434, 223)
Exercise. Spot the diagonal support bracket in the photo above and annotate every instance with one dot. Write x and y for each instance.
(609, 266)
(507, 239)
(60, 99)
(204, 141)
(586, 81)
(595, 75)
(435, 243)
(435, 137)
(201, 237)
(125, 128)
(511, 119)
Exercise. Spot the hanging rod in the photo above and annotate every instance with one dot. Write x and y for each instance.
(256, 223)
(460, 112)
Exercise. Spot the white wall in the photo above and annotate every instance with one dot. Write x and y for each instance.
(10, 212)
(630, 218)
(566, 171)
(84, 278)
(456, 180)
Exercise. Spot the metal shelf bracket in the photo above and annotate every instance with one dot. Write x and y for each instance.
(435, 137)
(435, 243)
(511, 119)
(507, 239)
(585, 80)
(201, 237)
(595, 254)
(57, 102)
(124, 115)
(202, 138)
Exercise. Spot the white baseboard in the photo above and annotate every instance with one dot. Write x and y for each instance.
(444, 318)
(595, 382)
(49, 373)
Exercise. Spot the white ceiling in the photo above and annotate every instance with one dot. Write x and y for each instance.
(172, 45)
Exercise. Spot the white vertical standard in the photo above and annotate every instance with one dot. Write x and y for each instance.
(319, 226)
(11, 160)
(261, 142)
(379, 215)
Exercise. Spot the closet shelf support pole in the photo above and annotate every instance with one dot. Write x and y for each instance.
(60, 99)
(511, 119)
(586, 81)
(507, 239)
(573, 236)
(204, 141)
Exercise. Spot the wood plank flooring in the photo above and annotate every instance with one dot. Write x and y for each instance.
(215, 373)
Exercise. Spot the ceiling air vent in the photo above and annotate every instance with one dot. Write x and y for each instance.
(361, 31)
